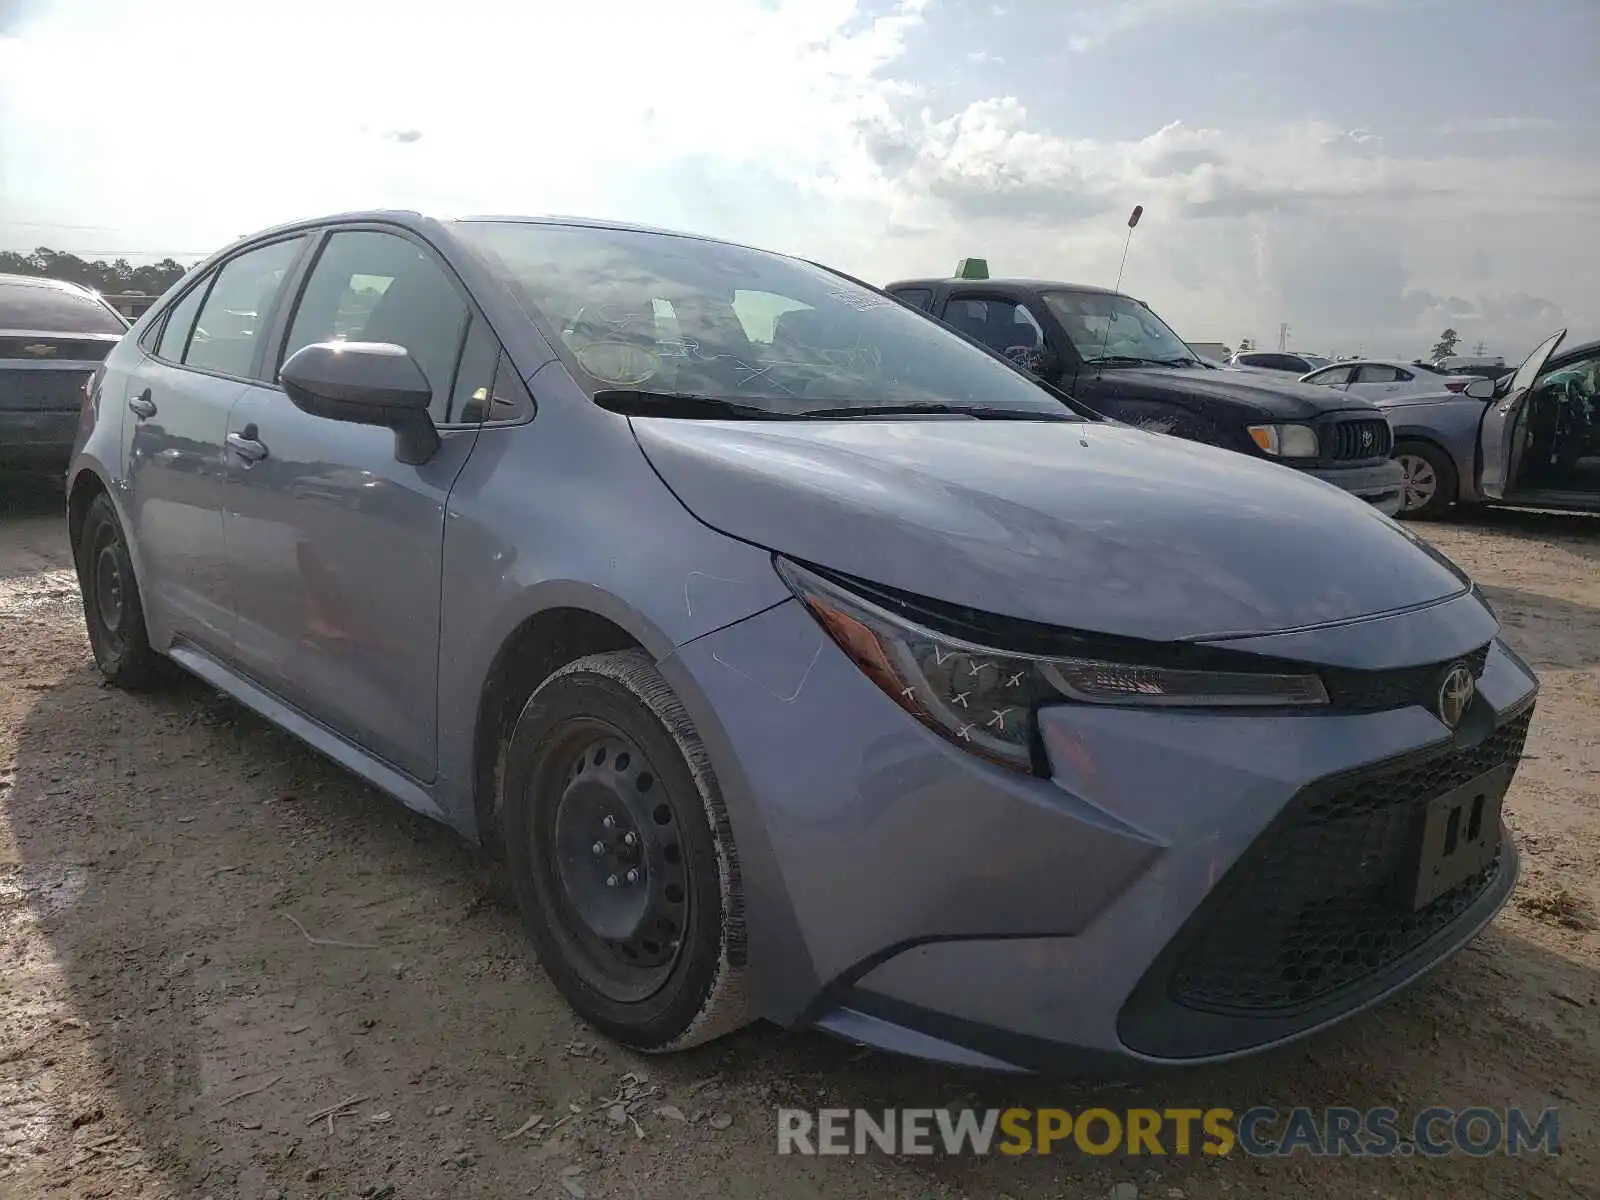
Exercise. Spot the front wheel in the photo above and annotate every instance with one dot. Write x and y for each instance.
(1428, 486)
(622, 857)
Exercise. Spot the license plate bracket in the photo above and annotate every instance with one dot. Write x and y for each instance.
(1460, 835)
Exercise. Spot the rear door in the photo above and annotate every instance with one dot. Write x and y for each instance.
(1376, 380)
(1502, 437)
(178, 400)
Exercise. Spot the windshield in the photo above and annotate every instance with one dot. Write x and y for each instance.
(668, 316)
(1316, 360)
(1104, 326)
(43, 309)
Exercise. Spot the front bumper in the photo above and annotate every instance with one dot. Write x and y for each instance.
(906, 895)
(1379, 484)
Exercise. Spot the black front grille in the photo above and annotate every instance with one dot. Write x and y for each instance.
(1379, 691)
(1360, 439)
(1318, 904)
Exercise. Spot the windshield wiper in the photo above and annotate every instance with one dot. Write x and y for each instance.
(1124, 358)
(1185, 361)
(634, 403)
(982, 412)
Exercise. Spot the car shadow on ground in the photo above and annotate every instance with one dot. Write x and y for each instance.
(246, 935)
(1577, 532)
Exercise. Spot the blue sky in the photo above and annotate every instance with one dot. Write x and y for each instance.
(1368, 171)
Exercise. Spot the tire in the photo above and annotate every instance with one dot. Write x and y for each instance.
(113, 611)
(654, 960)
(1428, 465)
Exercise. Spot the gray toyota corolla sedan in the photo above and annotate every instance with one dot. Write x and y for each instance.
(802, 659)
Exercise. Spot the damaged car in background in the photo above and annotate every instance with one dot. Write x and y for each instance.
(801, 659)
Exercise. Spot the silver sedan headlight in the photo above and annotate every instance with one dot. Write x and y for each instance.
(985, 699)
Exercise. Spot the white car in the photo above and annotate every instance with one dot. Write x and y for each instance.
(1378, 379)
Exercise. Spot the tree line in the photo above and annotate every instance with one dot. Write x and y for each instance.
(108, 278)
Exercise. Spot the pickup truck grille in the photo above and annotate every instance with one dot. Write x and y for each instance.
(1360, 439)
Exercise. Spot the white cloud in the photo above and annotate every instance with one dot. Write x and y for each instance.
(793, 124)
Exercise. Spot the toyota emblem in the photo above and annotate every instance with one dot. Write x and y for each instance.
(1455, 694)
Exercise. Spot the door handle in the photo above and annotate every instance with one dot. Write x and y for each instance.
(246, 446)
(142, 406)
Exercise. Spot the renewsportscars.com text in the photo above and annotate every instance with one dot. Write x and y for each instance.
(1257, 1132)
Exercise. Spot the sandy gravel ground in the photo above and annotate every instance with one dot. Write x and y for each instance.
(169, 1027)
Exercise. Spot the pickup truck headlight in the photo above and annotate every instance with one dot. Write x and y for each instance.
(1285, 441)
(985, 700)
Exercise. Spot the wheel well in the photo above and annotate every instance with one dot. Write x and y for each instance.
(539, 647)
(84, 489)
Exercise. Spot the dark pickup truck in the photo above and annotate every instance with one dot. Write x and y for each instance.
(1114, 354)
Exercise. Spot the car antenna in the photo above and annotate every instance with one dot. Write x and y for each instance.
(1116, 288)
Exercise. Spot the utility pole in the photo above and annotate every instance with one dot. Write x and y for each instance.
(1478, 349)
(1283, 336)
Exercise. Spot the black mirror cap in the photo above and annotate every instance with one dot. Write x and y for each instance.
(372, 383)
(365, 383)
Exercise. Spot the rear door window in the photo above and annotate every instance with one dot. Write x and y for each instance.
(1377, 373)
(180, 321)
(234, 315)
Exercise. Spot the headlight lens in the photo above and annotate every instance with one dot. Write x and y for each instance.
(985, 700)
(1285, 441)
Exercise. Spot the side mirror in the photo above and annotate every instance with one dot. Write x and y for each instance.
(1480, 389)
(365, 383)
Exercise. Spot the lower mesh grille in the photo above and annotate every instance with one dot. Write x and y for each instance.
(1318, 904)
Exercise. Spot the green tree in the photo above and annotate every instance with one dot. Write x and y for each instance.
(1246, 345)
(1446, 345)
(108, 277)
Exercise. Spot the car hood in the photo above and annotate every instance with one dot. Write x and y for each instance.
(1285, 399)
(1092, 526)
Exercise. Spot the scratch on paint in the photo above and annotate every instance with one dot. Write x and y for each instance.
(799, 687)
(692, 576)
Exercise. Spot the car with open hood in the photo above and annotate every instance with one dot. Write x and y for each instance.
(801, 659)
(1112, 352)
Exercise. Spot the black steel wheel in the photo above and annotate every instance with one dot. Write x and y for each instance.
(621, 855)
(113, 612)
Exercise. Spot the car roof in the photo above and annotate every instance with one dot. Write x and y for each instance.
(1581, 350)
(1031, 284)
(413, 219)
(47, 284)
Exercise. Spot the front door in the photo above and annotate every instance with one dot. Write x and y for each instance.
(1503, 436)
(173, 469)
(334, 547)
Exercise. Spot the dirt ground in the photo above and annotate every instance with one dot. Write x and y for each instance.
(209, 935)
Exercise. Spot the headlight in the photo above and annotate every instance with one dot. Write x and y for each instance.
(985, 700)
(1285, 441)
